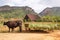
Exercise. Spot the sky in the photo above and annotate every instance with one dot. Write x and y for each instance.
(37, 5)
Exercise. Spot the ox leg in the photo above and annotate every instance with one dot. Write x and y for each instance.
(9, 30)
(20, 27)
(26, 28)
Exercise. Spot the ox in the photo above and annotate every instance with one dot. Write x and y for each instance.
(14, 24)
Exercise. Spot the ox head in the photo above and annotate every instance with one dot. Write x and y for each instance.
(5, 23)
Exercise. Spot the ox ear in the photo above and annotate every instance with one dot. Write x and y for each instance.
(19, 22)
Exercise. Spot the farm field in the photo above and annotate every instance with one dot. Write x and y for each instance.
(38, 25)
(26, 35)
(44, 25)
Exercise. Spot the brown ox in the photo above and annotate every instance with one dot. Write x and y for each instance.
(14, 24)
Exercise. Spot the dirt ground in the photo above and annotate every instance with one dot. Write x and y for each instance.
(30, 36)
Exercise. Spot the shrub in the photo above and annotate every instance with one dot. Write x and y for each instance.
(45, 26)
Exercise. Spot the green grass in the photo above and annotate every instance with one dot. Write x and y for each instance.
(45, 26)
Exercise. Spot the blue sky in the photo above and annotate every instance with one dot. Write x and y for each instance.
(37, 5)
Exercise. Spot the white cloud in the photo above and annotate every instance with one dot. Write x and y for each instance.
(50, 2)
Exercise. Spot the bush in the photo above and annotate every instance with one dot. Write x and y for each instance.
(45, 26)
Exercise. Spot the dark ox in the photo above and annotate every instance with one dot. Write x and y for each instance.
(14, 24)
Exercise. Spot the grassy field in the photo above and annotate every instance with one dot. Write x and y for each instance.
(35, 26)
(48, 26)
(27, 36)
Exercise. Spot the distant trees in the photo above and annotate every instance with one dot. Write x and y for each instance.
(49, 19)
(15, 13)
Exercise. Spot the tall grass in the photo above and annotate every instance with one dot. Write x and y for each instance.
(42, 26)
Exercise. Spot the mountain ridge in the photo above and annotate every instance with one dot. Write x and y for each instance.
(7, 11)
(54, 11)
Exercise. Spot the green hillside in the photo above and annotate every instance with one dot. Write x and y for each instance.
(7, 12)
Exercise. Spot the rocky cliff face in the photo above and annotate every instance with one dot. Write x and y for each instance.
(25, 8)
(54, 11)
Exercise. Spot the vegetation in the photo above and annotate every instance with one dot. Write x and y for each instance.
(49, 19)
(17, 13)
(45, 26)
(14, 13)
(20, 13)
